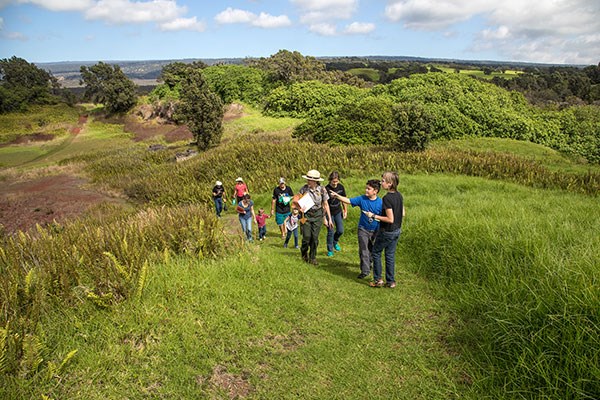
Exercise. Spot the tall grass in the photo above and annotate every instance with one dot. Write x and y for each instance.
(522, 269)
(153, 177)
(101, 259)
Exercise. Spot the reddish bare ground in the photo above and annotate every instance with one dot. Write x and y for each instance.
(45, 200)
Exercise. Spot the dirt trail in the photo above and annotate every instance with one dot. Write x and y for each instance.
(43, 200)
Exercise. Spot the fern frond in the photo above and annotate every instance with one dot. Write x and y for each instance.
(29, 281)
(3, 350)
(141, 280)
(66, 360)
(120, 268)
(32, 354)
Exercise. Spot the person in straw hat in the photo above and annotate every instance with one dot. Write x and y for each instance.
(240, 189)
(312, 201)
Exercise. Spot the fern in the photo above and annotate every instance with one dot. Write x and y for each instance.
(141, 281)
(32, 354)
(29, 282)
(120, 268)
(3, 350)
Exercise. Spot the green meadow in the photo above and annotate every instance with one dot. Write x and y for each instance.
(497, 270)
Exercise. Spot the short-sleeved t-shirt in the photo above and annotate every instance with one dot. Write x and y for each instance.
(335, 205)
(319, 195)
(247, 209)
(366, 204)
(283, 199)
(394, 201)
(218, 191)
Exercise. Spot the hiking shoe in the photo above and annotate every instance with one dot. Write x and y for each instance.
(362, 276)
(314, 262)
(330, 254)
(337, 247)
(376, 284)
(285, 245)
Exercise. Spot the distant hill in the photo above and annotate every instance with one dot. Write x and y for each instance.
(145, 72)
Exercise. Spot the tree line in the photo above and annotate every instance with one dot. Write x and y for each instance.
(417, 105)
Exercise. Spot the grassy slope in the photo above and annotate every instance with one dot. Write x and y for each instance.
(263, 324)
(278, 327)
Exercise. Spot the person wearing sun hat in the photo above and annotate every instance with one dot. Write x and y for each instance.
(316, 213)
(218, 193)
(240, 189)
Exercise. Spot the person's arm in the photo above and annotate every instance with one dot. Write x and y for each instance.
(341, 198)
(388, 217)
(273, 206)
(327, 216)
(252, 211)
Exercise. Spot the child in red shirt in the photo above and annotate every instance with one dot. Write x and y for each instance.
(261, 220)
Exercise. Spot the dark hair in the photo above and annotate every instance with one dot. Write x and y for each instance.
(247, 196)
(374, 183)
(334, 175)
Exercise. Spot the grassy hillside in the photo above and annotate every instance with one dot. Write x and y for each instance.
(496, 273)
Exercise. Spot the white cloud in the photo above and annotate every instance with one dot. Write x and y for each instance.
(558, 31)
(359, 28)
(180, 24)
(316, 11)
(60, 5)
(263, 20)
(270, 21)
(433, 14)
(125, 11)
(323, 29)
(234, 16)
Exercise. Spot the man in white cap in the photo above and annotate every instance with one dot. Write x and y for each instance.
(280, 205)
(218, 193)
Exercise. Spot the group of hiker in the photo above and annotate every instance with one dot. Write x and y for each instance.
(315, 205)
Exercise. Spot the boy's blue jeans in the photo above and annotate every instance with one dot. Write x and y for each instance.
(385, 241)
(262, 232)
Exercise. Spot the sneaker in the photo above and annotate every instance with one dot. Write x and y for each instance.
(314, 262)
(362, 276)
(330, 254)
(297, 247)
(337, 247)
(285, 245)
(391, 285)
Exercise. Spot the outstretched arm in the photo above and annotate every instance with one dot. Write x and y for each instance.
(341, 198)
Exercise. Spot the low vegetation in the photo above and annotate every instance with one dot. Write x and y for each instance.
(497, 263)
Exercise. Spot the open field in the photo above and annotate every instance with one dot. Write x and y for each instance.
(483, 265)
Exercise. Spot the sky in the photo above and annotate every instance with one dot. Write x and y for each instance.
(539, 31)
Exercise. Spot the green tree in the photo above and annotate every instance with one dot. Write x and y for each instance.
(200, 109)
(236, 83)
(22, 83)
(108, 85)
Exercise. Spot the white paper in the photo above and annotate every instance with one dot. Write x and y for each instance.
(306, 202)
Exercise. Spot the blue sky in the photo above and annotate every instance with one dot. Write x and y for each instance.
(545, 31)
